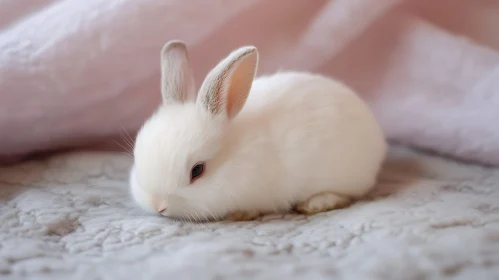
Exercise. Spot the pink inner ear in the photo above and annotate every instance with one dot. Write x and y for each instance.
(233, 99)
(240, 84)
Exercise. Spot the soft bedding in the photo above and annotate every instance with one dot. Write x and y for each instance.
(70, 217)
(74, 72)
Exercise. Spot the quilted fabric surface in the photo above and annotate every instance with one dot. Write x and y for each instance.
(70, 217)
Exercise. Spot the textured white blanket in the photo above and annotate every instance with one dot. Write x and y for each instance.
(69, 217)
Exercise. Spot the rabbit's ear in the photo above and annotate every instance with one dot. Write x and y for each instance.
(177, 81)
(226, 87)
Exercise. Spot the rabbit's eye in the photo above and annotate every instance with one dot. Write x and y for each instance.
(196, 171)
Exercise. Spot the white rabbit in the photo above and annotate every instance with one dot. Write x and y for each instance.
(241, 148)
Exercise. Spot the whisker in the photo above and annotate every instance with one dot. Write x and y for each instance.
(130, 144)
(198, 211)
(211, 214)
(126, 137)
(205, 209)
(197, 217)
(201, 219)
(180, 219)
(130, 138)
(190, 217)
(187, 211)
(127, 151)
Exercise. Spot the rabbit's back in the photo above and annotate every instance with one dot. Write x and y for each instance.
(326, 137)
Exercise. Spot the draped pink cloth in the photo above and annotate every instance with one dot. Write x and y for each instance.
(73, 72)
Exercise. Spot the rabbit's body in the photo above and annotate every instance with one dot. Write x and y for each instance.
(297, 128)
(300, 140)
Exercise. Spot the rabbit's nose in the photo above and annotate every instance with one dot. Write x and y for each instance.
(162, 211)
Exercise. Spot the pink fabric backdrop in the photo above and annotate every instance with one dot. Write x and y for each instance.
(73, 72)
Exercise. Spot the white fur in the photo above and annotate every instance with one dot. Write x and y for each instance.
(297, 135)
